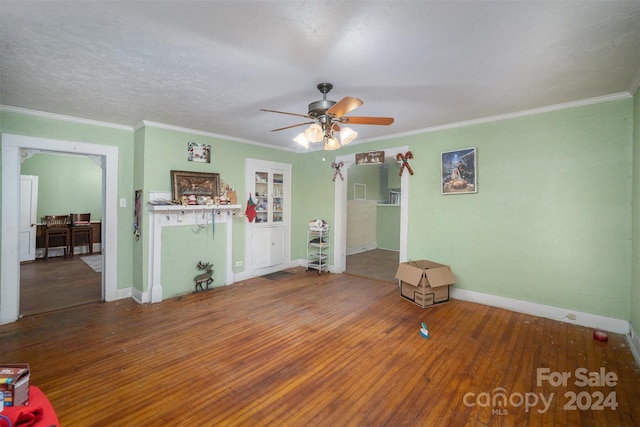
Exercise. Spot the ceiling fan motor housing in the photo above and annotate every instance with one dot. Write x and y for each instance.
(319, 108)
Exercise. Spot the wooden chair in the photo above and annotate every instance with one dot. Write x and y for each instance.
(56, 227)
(81, 226)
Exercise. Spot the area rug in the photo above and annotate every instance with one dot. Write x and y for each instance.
(277, 275)
(94, 262)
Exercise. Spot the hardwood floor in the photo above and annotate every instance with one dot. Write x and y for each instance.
(316, 350)
(378, 264)
(57, 283)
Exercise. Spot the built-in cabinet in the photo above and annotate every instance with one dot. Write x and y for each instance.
(268, 235)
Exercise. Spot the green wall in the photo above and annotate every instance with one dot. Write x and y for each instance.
(66, 184)
(185, 246)
(47, 127)
(551, 222)
(635, 282)
(161, 150)
(388, 227)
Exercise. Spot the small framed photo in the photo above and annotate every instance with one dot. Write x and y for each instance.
(199, 152)
(184, 183)
(459, 171)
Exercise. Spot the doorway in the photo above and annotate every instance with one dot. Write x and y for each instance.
(341, 191)
(14, 147)
(70, 280)
(373, 220)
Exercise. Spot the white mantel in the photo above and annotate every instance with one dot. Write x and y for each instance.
(176, 215)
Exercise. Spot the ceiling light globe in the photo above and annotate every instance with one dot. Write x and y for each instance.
(347, 135)
(331, 144)
(300, 139)
(314, 133)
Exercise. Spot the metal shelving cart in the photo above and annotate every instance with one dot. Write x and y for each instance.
(318, 248)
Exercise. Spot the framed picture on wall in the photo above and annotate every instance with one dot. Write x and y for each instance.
(459, 172)
(199, 152)
(184, 183)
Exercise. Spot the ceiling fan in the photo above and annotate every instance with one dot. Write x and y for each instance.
(328, 117)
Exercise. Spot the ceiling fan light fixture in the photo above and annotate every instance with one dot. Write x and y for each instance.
(347, 135)
(331, 143)
(314, 133)
(302, 140)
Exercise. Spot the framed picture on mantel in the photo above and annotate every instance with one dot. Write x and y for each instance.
(184, 183)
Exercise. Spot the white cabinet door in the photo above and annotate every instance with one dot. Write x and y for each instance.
(261, 246)
(268, 246)
(277, 245)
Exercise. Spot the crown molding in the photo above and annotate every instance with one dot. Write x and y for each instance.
(62, 117)
(484, 120)
(507, 116)
(147, 123)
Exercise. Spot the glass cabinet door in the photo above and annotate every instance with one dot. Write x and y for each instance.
(269, 195)
(262, 197)
(278, 182)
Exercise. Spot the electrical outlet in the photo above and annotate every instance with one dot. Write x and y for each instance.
(238, 263)
(571, 316)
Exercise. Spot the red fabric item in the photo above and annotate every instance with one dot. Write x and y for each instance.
(251, 209)
(39, 413)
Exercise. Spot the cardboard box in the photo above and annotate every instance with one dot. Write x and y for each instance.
(14, 383)
(425, 283)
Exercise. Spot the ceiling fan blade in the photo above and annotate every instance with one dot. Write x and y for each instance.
(343, 106)
(293, 126)
(284, 112)
(353, 120)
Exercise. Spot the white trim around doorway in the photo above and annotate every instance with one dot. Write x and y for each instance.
(9, 260)
(340, 220)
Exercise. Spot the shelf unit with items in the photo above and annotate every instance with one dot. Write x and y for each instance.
(318, 248)
(269, 195)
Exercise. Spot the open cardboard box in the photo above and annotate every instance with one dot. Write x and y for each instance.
(425, 283)
(14, 383)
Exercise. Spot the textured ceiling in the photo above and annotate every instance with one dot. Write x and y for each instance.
(211, 65)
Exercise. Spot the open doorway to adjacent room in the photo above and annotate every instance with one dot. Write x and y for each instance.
(373, 220)
(14, 149)
(371, 217)
(65, 184)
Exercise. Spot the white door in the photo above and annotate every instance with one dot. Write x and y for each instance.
(28, 217)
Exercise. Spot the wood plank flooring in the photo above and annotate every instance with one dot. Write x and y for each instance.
(57, 283)
(314, 350)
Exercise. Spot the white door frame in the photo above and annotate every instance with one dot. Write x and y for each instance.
(340, 220)
(29, 226)
(10, 264)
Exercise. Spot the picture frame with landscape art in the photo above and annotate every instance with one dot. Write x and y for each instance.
(459, 172)
(185, 183)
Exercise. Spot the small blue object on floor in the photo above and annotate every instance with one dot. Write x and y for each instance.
(424, 332)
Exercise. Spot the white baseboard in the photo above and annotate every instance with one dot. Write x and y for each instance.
(556, 313)
(367, 247)
(634, 344)
(124, 293)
